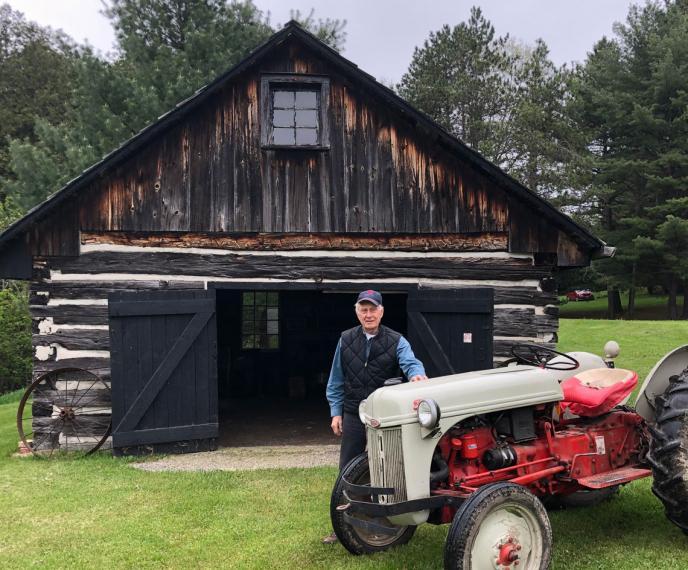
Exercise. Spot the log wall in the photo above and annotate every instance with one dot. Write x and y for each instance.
(69, 295)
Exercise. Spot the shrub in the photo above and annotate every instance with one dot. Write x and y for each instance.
(15, 337)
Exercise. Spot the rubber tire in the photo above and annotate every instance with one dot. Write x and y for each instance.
(581, 499)
(668, 455)
(357, 471)
(468, 518)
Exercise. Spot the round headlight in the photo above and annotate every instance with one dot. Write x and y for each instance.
(361, 415)
(428, 413)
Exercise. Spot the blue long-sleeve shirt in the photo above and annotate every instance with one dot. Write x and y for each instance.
(408, 363)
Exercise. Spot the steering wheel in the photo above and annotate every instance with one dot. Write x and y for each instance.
(536, 355)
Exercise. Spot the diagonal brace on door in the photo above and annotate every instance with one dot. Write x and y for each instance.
(430, 342)
(169, 363)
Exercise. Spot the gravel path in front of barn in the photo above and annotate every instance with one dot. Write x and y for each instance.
(247, 458)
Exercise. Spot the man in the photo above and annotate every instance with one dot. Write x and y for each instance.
(365, 357)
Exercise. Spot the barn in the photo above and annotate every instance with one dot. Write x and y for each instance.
(205, 268)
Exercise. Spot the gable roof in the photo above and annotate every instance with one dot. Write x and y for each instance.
(347, 68)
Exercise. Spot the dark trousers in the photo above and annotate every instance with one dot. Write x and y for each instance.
(353, 438)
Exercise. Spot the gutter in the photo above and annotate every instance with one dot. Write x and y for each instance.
(604, 252)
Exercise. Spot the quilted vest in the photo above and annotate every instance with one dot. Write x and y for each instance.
(363, 376)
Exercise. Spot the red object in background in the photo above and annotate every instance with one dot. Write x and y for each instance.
(580, 295)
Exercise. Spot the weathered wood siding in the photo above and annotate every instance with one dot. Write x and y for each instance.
(381, 174)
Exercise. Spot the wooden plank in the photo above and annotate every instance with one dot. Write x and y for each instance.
(90, 425)
(83, 395)
(100, 289)
(317, 267)
(98, 366)
(166, 434)
(162, 373)
(205, 373)
(523, 322)
(483, 241)
(75, 312)
(151, 308)
(432, 346)
(158, 348)
(74, 339)
(450, 304)
(502, 347)
(523, 296)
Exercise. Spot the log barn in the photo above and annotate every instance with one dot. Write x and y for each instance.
(206, 267)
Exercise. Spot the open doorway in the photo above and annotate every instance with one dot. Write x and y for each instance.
(275, 350)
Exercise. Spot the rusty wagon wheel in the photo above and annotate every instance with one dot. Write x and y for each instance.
(65, 410)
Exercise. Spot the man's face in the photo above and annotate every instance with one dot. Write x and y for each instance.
(369, 315)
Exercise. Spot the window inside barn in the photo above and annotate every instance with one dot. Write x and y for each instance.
(294, 112)
(259, 320)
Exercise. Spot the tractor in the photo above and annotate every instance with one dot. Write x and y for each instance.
(485, 451)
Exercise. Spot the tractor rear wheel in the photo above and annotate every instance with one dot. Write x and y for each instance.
(501, 525)
(668, 454)
(356, 539)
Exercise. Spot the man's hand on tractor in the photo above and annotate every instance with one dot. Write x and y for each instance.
(418, 377)
(336, 425)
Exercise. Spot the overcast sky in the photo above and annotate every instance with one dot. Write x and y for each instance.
(382, 33)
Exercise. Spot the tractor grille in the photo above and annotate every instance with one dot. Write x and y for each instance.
(386, 462)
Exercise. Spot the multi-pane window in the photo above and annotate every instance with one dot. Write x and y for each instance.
(294, 112)
(295, 117)
(259, 319)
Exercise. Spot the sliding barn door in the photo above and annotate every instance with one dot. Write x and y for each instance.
(450, 330)
(164, 371)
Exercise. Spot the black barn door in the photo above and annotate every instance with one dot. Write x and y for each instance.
(164, 371)
(450, 330)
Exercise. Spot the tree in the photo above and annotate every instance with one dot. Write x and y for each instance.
(167, 49)
(36, 71)
(331, 31)
(16, 358)
(504, 99)
(545, 145)
(631, 100)
(461, 77)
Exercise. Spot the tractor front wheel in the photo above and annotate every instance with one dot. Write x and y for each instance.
(356, 539)
(668, 454)
(500, 525)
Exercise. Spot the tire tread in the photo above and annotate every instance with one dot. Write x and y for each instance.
(668, 455)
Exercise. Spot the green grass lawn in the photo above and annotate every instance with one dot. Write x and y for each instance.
(99, 512)
(647, 307)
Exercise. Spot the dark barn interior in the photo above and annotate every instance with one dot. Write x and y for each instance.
(275, 350)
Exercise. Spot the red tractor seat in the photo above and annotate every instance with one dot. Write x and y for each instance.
(595, 392)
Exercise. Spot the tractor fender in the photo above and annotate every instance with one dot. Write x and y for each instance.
(657, 381)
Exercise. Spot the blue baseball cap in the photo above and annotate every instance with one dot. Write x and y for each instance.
(371, 296)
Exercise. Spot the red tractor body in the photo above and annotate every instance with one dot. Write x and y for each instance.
(562, 458)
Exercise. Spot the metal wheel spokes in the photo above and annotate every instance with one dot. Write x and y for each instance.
(64, 411)
(508, 534)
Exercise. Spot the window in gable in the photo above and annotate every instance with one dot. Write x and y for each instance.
(294, 112)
